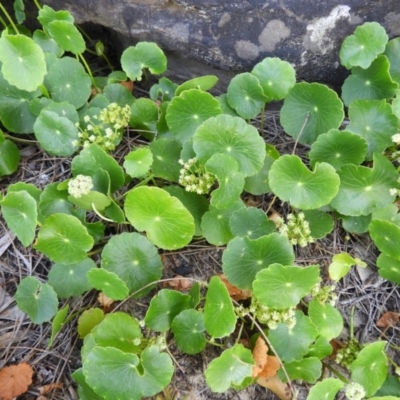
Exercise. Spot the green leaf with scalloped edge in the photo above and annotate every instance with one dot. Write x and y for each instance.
(326, 389)
(309, 110)
(88, 320)
(283, 286)
(320, 223)
(165, 88)
(386, 237)
(91, 201)
(53, 201)
(28, 187)
(244, 258)
(185, 113)
(225, 107)
(338, 148)
(117, 93)
(341, 265)
(48, 14)
(251, 222)
(219, 314)
(67, 36)
(326, 318)
(373, 83)
(144, 117)
(230, 180)
(203, 83)
(375, 122)
(9, 156)
(276, 77)
(137, 162)
(108, 282)
(258, 183)
(307, 369)
(166, 154)
(134, 259)
(361, 48)
(143, 55)
(357, 224)
(321, 348)
(215, 224)
(57, 324)
(118, 375)
(164, 307)
(370, 368)
(23, 63)
(293, 344)
(63, 239)
(245, 95)
(232, 136)
(68, 81)
(292, 181)
(168, 224)
(36, 299)
(392, 52)
(188, 329)
(232, 367)
(388, 213)
(47, 43)
(363, 190)
(388, 268)
(70, 280)
(85, 392)
(19, 209)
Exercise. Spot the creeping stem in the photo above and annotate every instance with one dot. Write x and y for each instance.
(9, 19)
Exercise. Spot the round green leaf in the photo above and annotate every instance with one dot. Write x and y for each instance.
(118, 330)
(375, 122)
(138, 162)
(232, 367)
(251, 222)
(56, 134)
(143, 55)
(280, 286)
(392, 52)
(23, 62)
(232, 136)
(340, 265)
(63, 109)
(53, 201)
(362, 189)
(320, 223)
(309, 110)
(188, 111)
(370, 368)
(67, 36)
(88, 320)
(91, 201)
(276, 77)
(169, 225)
(389, 213)
(47, 43)
(164, 307)
(71, 280)
(338, 148)
(308, 370)
(361, 48)
(134, 259)
(165, 87)
(326, 389)
(38, 300)
(293, 344)
(63, 239)
(117, 375)
(321, 348)
(116, 93)
(245, 95)
(19, 209)
(144, 116)
(47, 15)
(219, 314)
(68, 81)
(166, 154)
(326, 318)
(28, 187)
(258, 183)
(9, 157)
(244, 258)
(203, 83)
(386, 236)
(188, 328)
(225, 107)
(357, 224)
(373, 83)
(292, 181)
(109, 283)
(389, 268)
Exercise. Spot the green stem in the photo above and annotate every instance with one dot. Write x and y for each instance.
(3, 22)
(37, 4)
(44, 90)
(89, 71)
(337, 374)
(9, 18)
(18, 140)
(262, 118)
(352, 322)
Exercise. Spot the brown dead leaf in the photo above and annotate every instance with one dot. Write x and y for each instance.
(105, 301)
(388, 319)
(15, 380)
(128, 85)
(266, 366)
(235, 293)
(275, 217)
(179, 283)
(51, 386)
(282, 390)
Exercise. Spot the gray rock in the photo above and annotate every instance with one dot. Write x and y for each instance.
(227, 37)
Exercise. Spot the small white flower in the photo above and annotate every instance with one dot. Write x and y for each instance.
(354, 391)
(396, 138)
(92, 138)
(89, 127)
(75, 143)
(393, 192)
(109, 133)
(80, 185)
(86, 118)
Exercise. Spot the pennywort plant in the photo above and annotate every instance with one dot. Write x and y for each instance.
(185, 181)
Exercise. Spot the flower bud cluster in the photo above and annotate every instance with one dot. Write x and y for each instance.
(272, 317)
(194, 177)
(324, 294)
(355, 391)
(296, 229)
(347, 354)
(104, 129)
(80, 185)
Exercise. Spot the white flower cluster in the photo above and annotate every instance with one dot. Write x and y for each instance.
(396, 138)
(272, 317)
(348, 353)
(394, 191)
(80, 185)
(194, 178)
(98, 132)
(355, 391)
(297, 229)
(324, 293)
